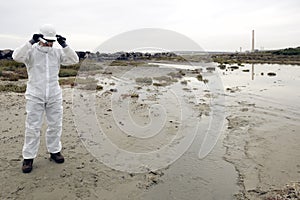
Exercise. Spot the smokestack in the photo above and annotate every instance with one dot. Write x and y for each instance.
(252, 40)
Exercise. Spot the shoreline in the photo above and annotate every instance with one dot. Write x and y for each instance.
(256, 58)
(256, 132)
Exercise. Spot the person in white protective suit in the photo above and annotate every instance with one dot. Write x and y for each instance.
(43, 94)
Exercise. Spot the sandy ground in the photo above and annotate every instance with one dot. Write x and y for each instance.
(80, 177)
(256, 157)
(262, 143)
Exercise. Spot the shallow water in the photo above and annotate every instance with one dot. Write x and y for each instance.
(279, 90)
(190, 177)
(217, 180)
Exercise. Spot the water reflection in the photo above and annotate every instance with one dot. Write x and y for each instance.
(275, 81)
(269, 81)
(252, 77)
(255, 70)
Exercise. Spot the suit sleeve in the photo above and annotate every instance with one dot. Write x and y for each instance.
(22, 53)
(69, 56)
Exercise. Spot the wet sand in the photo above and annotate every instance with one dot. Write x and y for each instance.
(256, 156)
(263, 130)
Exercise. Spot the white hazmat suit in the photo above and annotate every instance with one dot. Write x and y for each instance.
(43, 94)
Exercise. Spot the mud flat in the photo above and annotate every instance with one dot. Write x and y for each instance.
(262, 132)
(256, 155)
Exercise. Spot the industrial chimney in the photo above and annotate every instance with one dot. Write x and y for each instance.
(252, 40)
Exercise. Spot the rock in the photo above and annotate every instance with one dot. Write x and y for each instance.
(233, 89)
(271, 74)
(234, 67)
(210, 68)
(221, 66)
(6, 54)
(113, 90)
(99, 87)
(244, 109)
(158, 84)
(199, 77)
(80, 166)
(134, 95)
(184, 82)
(144, 80)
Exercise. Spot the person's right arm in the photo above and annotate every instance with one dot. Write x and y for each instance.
(21, 54)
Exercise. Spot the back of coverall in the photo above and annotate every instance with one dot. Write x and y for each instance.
(43, 94)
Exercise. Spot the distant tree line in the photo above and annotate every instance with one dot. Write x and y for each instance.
(7, 54)
(287, 51)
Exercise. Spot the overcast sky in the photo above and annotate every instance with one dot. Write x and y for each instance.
(224, 25)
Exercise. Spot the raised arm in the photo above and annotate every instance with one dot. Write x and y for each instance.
(21, 54)
(69, 56)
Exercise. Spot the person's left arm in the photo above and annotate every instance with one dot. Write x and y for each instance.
(68, 55)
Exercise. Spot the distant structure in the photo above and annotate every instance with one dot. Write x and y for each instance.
(252, 50)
